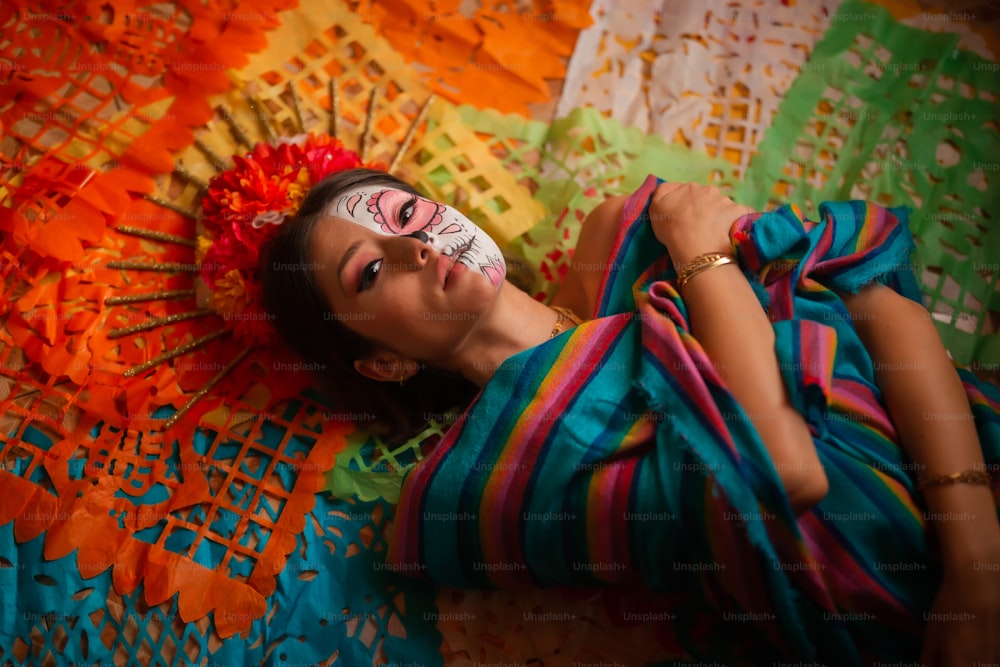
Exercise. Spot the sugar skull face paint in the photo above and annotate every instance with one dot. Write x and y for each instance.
(395, 212)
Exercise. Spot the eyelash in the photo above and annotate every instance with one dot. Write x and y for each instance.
(366, 282)
(406, 211)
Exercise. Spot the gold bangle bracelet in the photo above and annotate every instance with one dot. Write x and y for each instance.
(701, 263)
(976, 477)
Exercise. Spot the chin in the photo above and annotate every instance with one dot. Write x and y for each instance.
(486, 290)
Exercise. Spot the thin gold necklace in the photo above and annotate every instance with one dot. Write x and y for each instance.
(564, 314)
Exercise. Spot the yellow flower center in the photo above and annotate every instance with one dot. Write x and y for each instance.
(230, 295)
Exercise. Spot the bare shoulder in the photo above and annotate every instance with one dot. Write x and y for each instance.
(598, 233)
(581, 284)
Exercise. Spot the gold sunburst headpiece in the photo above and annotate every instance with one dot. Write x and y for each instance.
(242, 208)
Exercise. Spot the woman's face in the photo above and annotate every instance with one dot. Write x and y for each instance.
(409, 274)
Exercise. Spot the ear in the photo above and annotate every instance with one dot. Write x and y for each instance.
(386, 367)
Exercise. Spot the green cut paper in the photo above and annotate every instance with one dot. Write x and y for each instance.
(901, 117)
(577, 163)
(369, 469)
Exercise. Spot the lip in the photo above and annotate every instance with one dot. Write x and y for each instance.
(447, 264)
(444, 264)
(457, 270)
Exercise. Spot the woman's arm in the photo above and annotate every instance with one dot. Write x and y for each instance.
(580, 287)
(732, 327)
(929, 408)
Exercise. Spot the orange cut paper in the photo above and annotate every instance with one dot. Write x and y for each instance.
(501, 57)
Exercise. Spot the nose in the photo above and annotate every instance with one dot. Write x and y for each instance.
(415, 255)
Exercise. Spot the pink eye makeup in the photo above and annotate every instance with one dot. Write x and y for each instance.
(396, 212)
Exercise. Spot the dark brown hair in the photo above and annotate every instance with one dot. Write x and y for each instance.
(304, 319)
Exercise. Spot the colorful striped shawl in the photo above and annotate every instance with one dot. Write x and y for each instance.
(614, 453)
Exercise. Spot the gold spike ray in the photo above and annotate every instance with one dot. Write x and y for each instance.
(410, 133)
(176, 352)
(263, 119)
(334, 107)
(154, 235)
(182, 171)
(213, 157)
(159, 267)
(169, 205)
(366, 134)
(238, 132)
(296, 108)
(174, 418)
(162, 295)
(121, 332)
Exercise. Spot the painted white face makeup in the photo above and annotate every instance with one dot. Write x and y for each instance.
(395, 212)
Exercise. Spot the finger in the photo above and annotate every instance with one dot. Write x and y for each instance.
(663, 189)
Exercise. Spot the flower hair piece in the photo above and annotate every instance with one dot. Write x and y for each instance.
(244, 208)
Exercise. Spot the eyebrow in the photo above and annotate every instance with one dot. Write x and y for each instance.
(343, 262)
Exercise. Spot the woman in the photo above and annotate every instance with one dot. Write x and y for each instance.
(727, 431)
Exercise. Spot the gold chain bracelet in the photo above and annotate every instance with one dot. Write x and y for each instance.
(701, 263)
(976, 477)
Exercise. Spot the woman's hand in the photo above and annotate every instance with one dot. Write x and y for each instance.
(691, 219)
(962, 625)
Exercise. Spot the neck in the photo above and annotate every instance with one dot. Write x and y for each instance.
(515, 322)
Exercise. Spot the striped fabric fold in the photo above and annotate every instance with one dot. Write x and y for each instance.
(615, 454)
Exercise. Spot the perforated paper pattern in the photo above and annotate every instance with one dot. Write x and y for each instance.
(707, 74)
(341, 48)
(902, 117)
(61, 617)
(574, 165)
(211, 512)
(371, 469)
(210, 517)
(113, 88)
(497, 54)
(446, 161)
(211, 545)
(462, 172)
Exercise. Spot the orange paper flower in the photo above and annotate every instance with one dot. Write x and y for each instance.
(243, 210)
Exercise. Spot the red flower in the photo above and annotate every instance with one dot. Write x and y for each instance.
(227, 252)
(264, 180)
(243, 210)
(325, 155)
(253, 326)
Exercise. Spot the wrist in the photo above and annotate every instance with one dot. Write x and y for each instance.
(681, 254)
(970, 548)
(970, 566)
(966, 525)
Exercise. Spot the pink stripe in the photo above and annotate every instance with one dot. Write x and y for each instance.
(858, 401)
(633, 207)
(405, 547)
(562, 384)
(851, 587)
(608, 493)
(670, 347)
